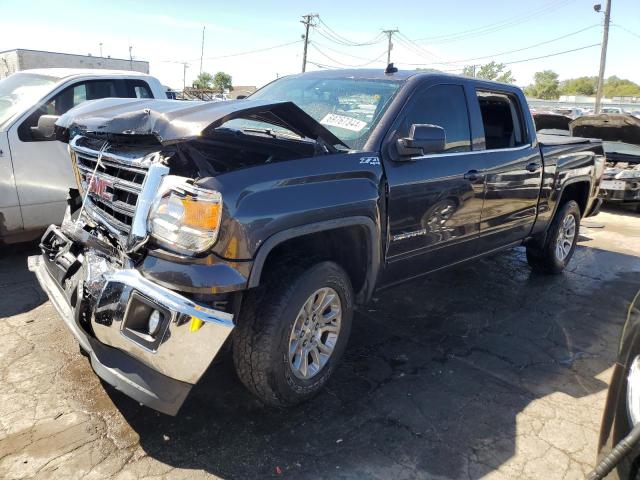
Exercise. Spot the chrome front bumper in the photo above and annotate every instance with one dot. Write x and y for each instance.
(105, 307)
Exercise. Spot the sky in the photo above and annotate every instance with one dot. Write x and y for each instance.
(441, 35)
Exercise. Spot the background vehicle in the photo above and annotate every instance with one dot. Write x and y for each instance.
(622, 409)
(35, 173)
(268, 219)
(621, 142)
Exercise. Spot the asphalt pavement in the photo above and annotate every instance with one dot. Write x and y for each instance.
(482, 371)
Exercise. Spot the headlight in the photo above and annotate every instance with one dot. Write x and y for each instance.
(186, 218)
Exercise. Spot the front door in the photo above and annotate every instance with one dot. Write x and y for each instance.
(10, 216)
(42, 167)
(434, 201)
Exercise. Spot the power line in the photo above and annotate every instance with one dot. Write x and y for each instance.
(417, 50)
(552, 54)
(625, 29)
(322, 65)
(327, 47)
(248, 52)
(369, 62)
(497, 26)
(453, 62)
(337, 38)
(555, 54)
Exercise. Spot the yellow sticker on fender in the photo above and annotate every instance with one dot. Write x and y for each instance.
(341, 121)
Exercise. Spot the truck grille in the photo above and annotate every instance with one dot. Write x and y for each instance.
(114, 188)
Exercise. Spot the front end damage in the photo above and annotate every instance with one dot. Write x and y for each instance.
(621, 140)
(108, 306)
(131, 270)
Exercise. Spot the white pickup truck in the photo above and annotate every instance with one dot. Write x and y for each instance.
(35, 173)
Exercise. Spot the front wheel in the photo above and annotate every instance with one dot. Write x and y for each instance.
(552, 256)
(292, 332)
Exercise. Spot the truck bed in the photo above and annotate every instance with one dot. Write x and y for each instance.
(549, 140)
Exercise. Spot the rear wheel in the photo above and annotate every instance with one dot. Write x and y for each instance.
(292, 332)
(554, 254)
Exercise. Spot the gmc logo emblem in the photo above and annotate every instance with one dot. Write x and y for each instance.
(98, 186)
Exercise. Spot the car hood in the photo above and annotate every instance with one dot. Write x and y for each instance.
(172, 121)
(608, 127)
(551, 121)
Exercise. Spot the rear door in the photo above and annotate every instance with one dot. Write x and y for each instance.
(435, 200)
(511, 164)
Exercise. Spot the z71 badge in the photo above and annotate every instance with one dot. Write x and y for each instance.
(370, 160)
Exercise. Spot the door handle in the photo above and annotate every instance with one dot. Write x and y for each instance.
(532, 167)
(472, 175)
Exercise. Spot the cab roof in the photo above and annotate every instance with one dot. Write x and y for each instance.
(400, 75)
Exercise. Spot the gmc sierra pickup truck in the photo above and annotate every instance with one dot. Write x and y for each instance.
(260, 224)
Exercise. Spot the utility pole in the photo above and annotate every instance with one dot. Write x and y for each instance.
(603, 53)
(307, 21)
(202, 49)
(389, 34)
(185, 65)
(130, 58)
(100, 48)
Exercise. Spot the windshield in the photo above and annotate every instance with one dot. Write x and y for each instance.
(348, 107)
(21, 90)
(621, 148)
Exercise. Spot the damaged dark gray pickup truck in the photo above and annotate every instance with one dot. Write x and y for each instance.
(260, 223)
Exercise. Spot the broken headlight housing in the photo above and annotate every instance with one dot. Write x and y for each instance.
(186, 218)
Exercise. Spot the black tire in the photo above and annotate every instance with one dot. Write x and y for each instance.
(261, 338)
(542, 257)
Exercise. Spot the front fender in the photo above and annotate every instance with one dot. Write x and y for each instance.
(373, 239)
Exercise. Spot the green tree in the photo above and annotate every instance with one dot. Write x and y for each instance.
(489, 71)
(545, 86)
(203, 81)
(619, 87)
(222, 82)
(579, 86)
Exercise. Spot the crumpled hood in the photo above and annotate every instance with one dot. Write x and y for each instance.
(171, 121)
(609, 127)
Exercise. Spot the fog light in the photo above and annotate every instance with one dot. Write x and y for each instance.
(154, 322)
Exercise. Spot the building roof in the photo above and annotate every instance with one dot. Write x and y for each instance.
(72, 72)
(69, 54)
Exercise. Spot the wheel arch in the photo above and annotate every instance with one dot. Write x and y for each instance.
(327, 233)
(578, 189)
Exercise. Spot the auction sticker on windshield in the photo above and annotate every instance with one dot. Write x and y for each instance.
(340, 121)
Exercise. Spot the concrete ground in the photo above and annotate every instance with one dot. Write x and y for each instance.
(486, 370)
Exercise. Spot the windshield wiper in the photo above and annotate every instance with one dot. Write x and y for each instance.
(271, 133)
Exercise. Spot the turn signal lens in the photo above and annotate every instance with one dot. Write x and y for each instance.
(201, 214)
(187, 219)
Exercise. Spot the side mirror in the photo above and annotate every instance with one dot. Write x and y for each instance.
(46, 129)
(422, 139)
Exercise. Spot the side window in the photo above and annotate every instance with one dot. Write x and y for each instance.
(502, 120)
(138, 89)
(445, 106)
(63, 102)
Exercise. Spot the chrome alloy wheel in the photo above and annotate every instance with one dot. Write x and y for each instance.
(566, 235)
(315, 333)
